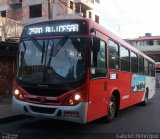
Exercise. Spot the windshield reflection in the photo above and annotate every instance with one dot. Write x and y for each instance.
(59, 61)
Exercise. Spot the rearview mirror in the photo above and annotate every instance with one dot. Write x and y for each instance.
(95, 49)
(96, 44)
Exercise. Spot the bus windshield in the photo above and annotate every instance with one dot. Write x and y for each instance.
(52, 61)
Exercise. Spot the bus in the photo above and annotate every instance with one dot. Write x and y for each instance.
(76, 70)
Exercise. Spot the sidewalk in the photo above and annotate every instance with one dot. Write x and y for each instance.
(6, 113)
(6, 107)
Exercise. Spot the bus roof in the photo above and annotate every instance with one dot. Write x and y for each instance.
(106, 32)
(114, 37)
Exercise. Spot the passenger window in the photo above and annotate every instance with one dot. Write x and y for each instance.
(113, 55)
(141, 65)
(151, 69)
(113, 48)
(146, 71)
(101, 56)
(134, 63)
(125, 59)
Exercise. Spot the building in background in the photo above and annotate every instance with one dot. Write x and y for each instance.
(30, 11)
(150, 45)
(9, 28)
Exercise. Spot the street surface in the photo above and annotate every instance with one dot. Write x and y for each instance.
(136, 119)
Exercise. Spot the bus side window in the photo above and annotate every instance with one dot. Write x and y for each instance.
(151, 69)
(101, 56)
(141, 65)
(125, 59)
(134, 63)
(146, 71)
(113, 55)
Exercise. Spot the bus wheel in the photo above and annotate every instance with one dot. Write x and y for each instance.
(111, 109)
(144, 103)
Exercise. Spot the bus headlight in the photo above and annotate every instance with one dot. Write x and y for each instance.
(20, 95)
(16, 92)
(75, 99)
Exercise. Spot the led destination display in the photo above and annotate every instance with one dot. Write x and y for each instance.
(56, 28)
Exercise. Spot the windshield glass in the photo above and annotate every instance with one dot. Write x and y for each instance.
(52, 61)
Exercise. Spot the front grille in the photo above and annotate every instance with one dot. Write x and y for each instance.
(44, 92)
(43, 110)
(45, 101)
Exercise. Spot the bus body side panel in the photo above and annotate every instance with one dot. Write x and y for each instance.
(97, 106)
(139, 84)
(120, 81)
(150, 84)
(137, 88)
(136, 97)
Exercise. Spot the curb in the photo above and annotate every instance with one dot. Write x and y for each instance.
(13, 118)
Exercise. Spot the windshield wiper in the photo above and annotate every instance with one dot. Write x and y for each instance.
(40, 48)
(43, 52)
(55, 49)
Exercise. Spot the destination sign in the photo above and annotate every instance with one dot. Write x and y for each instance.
(53, 28)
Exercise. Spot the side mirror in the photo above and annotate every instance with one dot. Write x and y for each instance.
(96, 44)
(95, 49)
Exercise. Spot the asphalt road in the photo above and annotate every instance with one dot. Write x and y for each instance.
(133, 120)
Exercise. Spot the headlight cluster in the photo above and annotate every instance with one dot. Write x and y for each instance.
(20, 95)
(75, 99)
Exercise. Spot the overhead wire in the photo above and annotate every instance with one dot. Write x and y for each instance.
(125, 15)
(145, 16)
(138, 19)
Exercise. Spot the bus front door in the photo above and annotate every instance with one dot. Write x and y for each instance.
(97, 106)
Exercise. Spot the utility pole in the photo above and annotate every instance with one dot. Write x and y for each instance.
(50, 9)
(55, 8)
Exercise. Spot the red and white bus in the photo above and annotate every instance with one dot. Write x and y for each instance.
(76, 70)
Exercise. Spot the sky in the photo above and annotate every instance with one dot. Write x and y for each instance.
(131, 18)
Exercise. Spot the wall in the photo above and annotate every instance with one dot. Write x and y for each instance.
(10, 28)
(25, 18)
(7, 67)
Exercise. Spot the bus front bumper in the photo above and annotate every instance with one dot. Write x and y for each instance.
(77, 113)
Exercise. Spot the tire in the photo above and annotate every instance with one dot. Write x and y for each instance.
(145, 102)
(111, 109)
